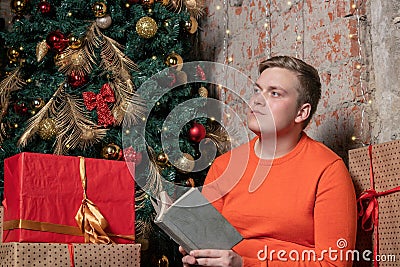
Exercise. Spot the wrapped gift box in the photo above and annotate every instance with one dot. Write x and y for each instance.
(385, 160)
(67, 255)
(43, 192)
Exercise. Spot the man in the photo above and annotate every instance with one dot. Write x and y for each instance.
(289, 196)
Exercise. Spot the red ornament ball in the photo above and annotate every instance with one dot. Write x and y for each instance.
(56, 41)
(197, 132)
(44, 7)
(77, 79)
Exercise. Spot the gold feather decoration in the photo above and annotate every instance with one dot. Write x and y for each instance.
(153, 185)
(129, 107)
(220, 138)
(77, 60)
(12, 82)
(33, 122)
(113, 59)
(74, 129)
(194, 7)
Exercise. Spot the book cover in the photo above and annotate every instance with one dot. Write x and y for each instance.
(193, 223)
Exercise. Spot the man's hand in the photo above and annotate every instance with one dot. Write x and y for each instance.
(211, 257)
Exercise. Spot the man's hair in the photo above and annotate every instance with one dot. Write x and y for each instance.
(310, 84)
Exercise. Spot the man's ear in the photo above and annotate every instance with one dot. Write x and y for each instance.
(303, 113)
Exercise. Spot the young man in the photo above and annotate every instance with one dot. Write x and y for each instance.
(290, 197)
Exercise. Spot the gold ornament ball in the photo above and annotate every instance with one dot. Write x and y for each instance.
(47, 129)
(163, 261)
(13, 54)
(18, 6)
(162, 159)
(185, 164)
(37, 104)
(147, 3)
(104, 22)
(146, 27)
(99, 9)
(112, 152)
(174, 60)
(203, 92)
(74, 42)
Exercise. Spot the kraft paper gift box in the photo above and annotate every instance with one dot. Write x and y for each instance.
(43, 193)
(375, 171)
(67, 255)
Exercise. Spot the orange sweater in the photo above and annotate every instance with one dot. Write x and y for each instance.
(302, 204)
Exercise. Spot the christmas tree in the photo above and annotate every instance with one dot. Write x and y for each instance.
(79, 76)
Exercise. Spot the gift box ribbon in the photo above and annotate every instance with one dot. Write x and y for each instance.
(369, 208)
(91, 223)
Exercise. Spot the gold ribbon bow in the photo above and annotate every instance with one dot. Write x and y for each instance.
(89, 219)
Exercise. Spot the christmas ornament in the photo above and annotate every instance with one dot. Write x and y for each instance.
(190, 182)
(104, 22)
(13, 54)
(44, 7)
(99, 9)
(111, 152)
(203, 92)
(36, 105)
(148, 3)
(197, 132)
(41, 50)
(130, 155)
(146, 27)
(18, 6)
(174, 60)
(77, 59)
(77, 79)
(99, 101)
(20, 108)
(191, 25)
(163, 261)
(185, 164)
(57, 41)
(47, 129)
(162, 159)
(74, 42)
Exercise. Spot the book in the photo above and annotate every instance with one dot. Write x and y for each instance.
(193, 222)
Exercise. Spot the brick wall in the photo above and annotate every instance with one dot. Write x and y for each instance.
(335, 37)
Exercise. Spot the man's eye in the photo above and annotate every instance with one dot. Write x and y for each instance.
(273, 93)
(256, 90)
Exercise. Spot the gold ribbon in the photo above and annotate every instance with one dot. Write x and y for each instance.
(53, 228)
(89, 219)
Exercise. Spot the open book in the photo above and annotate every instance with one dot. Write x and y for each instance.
(192, 222)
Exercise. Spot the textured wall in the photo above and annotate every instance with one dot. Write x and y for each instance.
(353, 44)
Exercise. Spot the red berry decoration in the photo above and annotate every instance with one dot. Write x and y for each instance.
(197, 132)
(21, 108)
(44, 7)
(76, 79)
(57, 41)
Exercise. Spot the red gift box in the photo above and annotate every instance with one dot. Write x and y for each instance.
(43, 193)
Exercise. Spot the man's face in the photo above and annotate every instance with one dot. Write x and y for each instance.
(273, 107)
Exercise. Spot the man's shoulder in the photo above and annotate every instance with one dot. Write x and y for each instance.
(321, 151)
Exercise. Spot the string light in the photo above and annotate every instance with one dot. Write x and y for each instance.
(268, 28)
(364, 133)
(299, 33)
